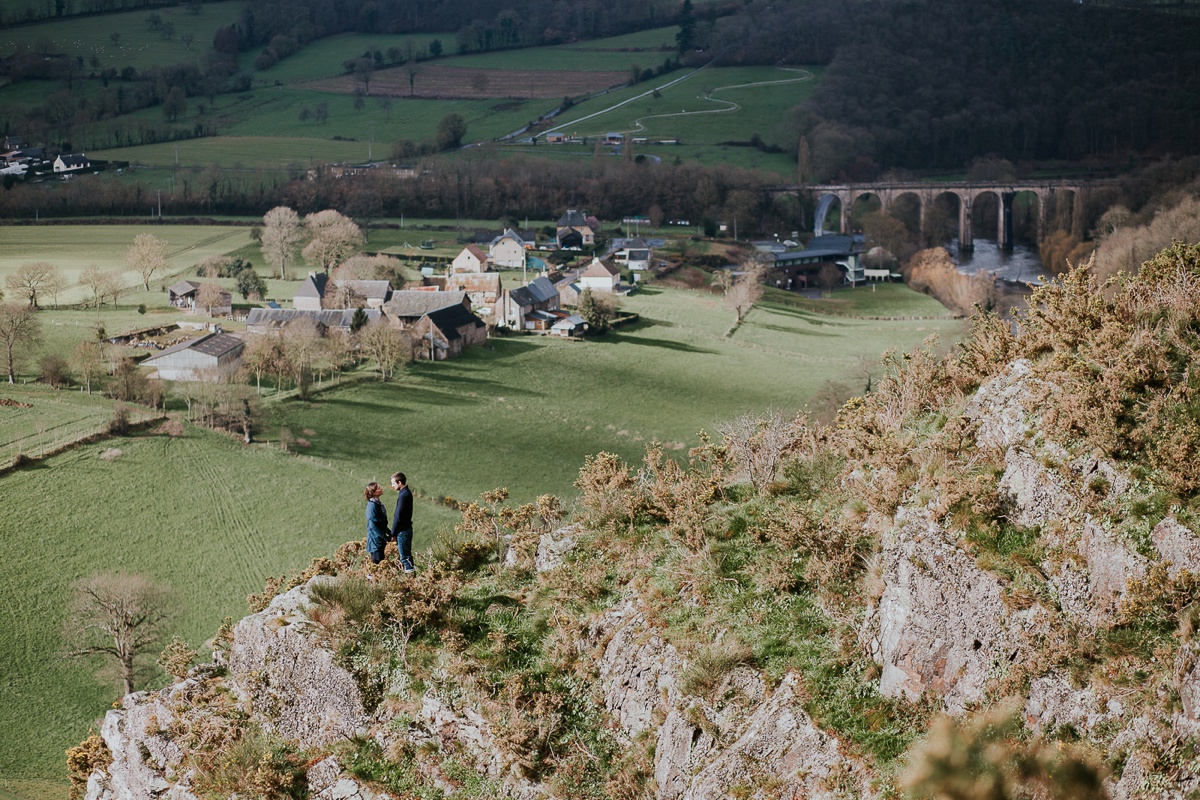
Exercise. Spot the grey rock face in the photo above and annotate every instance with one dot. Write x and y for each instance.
(638, 671)
(1002, 407)
(553, 547)
(779, 742)
(1110, 566)
(941, 624)
(1038, 494)
(295, 688)
(144, 762)
(1178, 544)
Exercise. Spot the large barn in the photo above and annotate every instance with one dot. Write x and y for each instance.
(212, 357)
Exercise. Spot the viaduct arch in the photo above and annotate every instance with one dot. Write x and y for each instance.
(967, 192)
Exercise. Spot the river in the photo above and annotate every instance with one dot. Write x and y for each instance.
(1021, 265)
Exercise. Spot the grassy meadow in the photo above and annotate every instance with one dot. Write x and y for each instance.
(137, 45)
(72, 248)
(213, 517)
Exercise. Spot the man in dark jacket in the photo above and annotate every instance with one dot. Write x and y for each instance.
(402, 527)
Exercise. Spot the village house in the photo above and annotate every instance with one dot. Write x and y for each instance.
(520, 305)
(635, 254)
(212, 357)
(273, 320)
(575, 230)
(482, 288)
(319, 291)
(600, 276)
(568, 289)
(508, 250)
(471, 259)
(446, 332)
(71, 163)
(184, 295)
(408, 306)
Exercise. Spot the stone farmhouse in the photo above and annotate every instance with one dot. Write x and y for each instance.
(319, 291)
(446, 332)
(212, 357)
(574, 229)
(273, 320)
(527, 308)
(407, 307)
(482, 288)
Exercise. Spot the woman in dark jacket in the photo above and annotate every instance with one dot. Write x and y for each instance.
(377, 524)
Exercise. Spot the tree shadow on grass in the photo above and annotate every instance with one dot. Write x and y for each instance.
(643, 323)
(795, 331)
(507, 346)
(808, 316)
(666, 344)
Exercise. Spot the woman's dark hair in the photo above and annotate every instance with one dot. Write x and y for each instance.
(371, 489)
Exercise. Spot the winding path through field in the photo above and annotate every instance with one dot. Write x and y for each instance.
(729, 106)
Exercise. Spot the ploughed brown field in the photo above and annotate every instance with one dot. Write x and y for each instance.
(473, 83)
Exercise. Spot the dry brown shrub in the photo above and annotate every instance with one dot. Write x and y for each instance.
(933, 272)
(606, 491)
(85, 758)
(420, 601)
(681, 496)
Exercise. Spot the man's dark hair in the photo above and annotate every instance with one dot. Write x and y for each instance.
(400, 479)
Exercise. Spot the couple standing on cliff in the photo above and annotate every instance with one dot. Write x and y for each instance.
(378, 534)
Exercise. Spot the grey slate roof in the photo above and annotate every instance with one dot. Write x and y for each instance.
(74, 161)
(539, 290)
(330, 317)
(314, 285)
(418, 304)
(184, 287)
(448, 320)
(572, 219)
(369, 290)
(210, 344)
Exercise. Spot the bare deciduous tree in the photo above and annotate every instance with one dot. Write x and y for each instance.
(334, 238)
(830, 277)
(747, 287)
(33, 278)
(208, 296)
(20, 331)
(757, 444)
(302, 345)
(119, 616)
(387, 346)
(281, 237)
(89, 362)
(147, 255)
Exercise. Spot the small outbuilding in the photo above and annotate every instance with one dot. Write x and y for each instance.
(212, 357)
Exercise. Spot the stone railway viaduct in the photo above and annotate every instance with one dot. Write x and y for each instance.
(967, 194)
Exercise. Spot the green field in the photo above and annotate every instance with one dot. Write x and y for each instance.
(137, 46)
(214, 517)
(73, 247)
